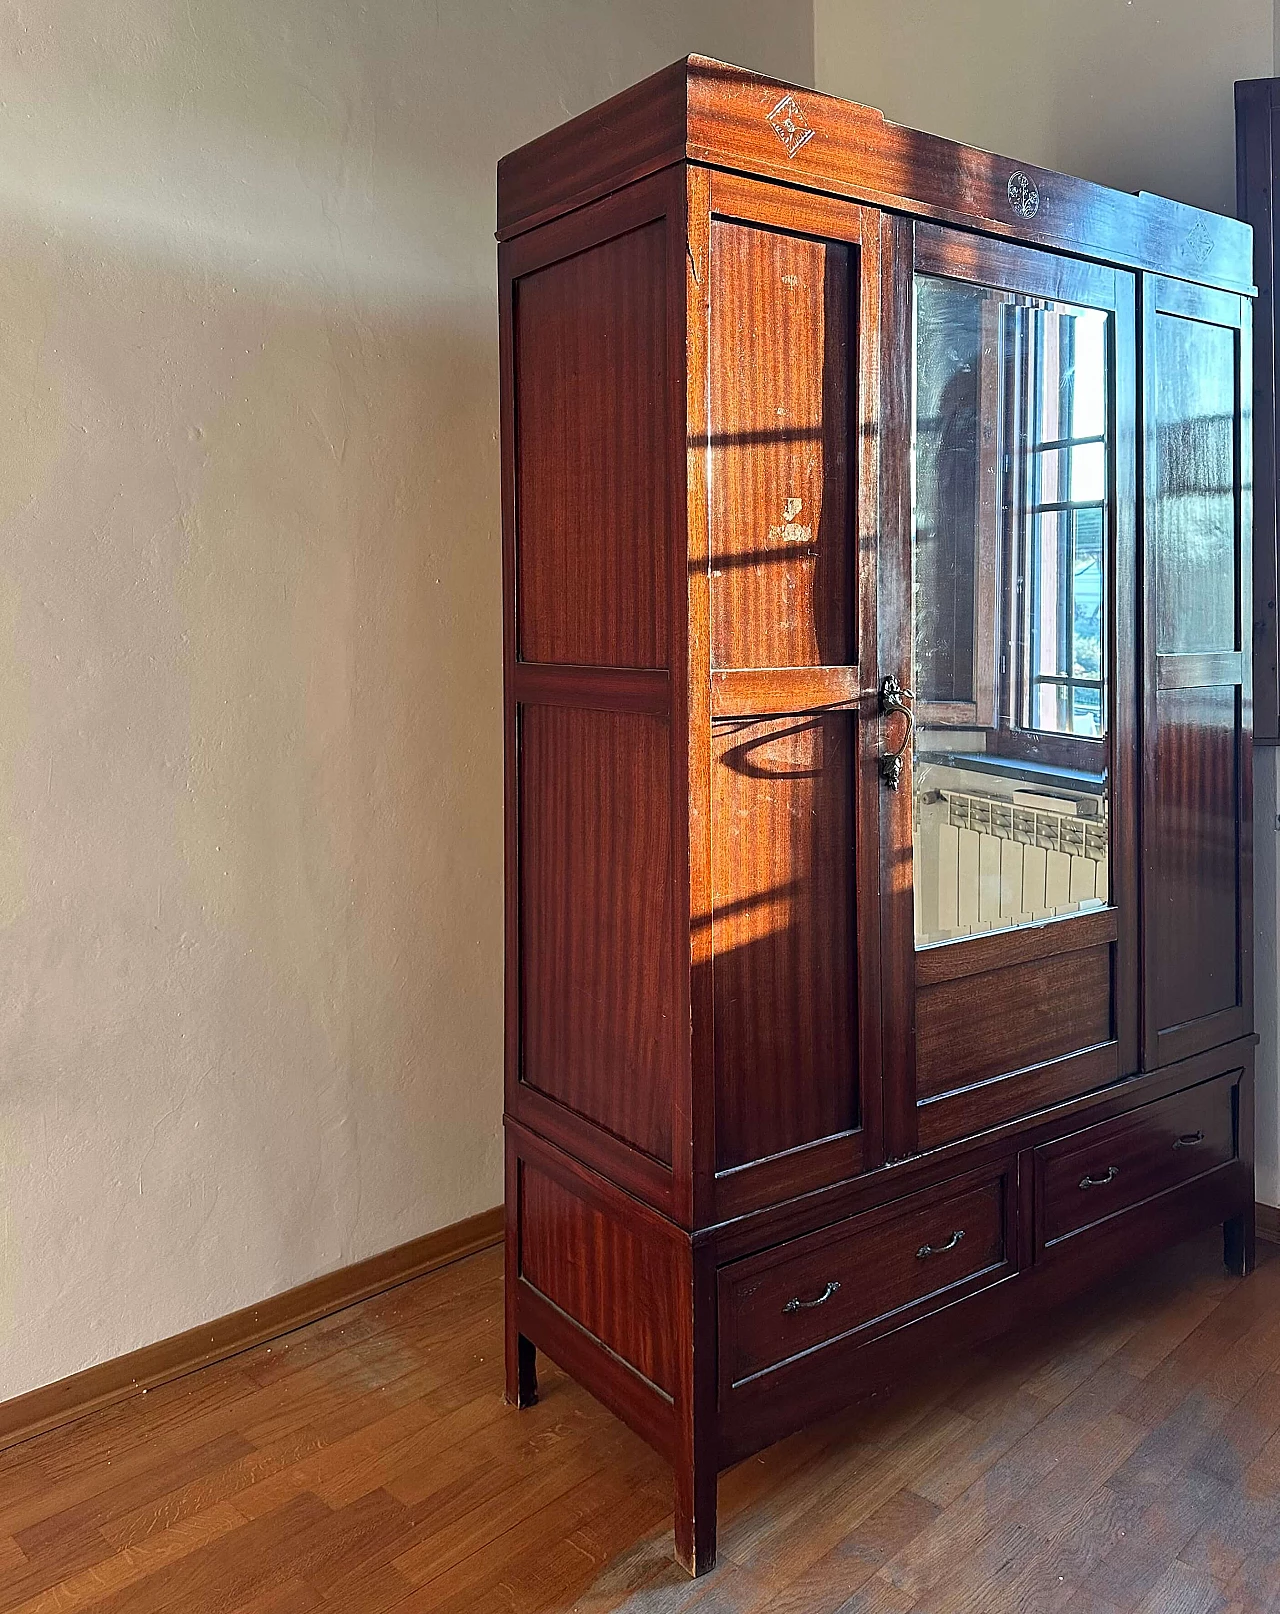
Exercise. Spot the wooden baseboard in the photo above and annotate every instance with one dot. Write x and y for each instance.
(68, 1399)
(1267, 1222)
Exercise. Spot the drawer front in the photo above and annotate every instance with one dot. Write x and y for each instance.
(1092, 1175)
(862, 1272)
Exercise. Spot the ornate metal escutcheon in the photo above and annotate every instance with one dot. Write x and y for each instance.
(894, 698)
(1024, 196)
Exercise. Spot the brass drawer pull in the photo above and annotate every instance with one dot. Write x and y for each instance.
(926, 1250)
(1188, 1140)
(1101, 1182)
(797, 1304)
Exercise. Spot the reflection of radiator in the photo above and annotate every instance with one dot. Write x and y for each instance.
(983, 863)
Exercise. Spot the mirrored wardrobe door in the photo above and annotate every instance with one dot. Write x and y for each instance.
(1016, 639)
(1013, 565)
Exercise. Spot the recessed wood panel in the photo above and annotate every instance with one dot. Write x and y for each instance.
(981, 1026)
(784, 971)
(1192, 486)
(780, 503)
(593, 510)
(599, 1032)
(1193, 916)
(618, 1283)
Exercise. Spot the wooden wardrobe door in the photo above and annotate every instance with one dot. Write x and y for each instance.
(1007, 603)
(792, 316)
(1198, 669)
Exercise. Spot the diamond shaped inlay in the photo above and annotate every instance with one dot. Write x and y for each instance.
(790, 124)
(1199, 243)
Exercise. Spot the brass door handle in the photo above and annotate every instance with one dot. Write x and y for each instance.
(894, 698)
(1188, 1140)
(797, 1304)
(926, 1250)
(1101, 1182)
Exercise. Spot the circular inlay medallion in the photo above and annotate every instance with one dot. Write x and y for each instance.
(1024, 198)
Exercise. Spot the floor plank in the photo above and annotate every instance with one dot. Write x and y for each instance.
(1122, 1459)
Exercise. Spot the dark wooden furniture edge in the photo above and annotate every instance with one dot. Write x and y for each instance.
(758, 1230)
(710, 112)
(641, 1176)
(1256, 113)
(52, 1405)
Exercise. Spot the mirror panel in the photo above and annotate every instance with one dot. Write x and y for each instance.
(1012, 582)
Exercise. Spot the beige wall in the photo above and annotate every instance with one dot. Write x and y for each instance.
(1132, 93)
(250, 769)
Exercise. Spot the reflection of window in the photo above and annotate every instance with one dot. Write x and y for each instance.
(1061, 548)
(1011, 597)
(957, 506)
(1011, 502)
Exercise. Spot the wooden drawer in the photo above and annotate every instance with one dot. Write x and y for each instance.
(863, 1274)
(1092, 1175)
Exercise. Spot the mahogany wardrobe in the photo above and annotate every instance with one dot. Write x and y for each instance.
(877, 581)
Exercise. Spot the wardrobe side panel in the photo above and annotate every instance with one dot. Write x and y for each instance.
(595, 918)
(593, 509)
(597, 924)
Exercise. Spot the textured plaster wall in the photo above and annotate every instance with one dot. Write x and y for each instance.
(1132, 93)
(250, 768)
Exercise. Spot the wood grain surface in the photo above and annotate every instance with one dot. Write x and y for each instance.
(595, 909)
(1126, 1461)
(718, 1030)
(781, 549)
(721, 115)
(786, 1033)
(590, 424)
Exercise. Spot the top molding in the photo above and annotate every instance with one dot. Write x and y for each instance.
(704, 111)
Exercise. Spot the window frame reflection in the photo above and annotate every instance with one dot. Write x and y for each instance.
(1044, 579)
(1035, 677)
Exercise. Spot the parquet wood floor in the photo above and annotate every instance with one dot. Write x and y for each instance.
(1124, 1458)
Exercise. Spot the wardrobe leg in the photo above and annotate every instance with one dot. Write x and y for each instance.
(696, 1516)
(1238, 1243)
(697, 1461)
(522, 1372)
